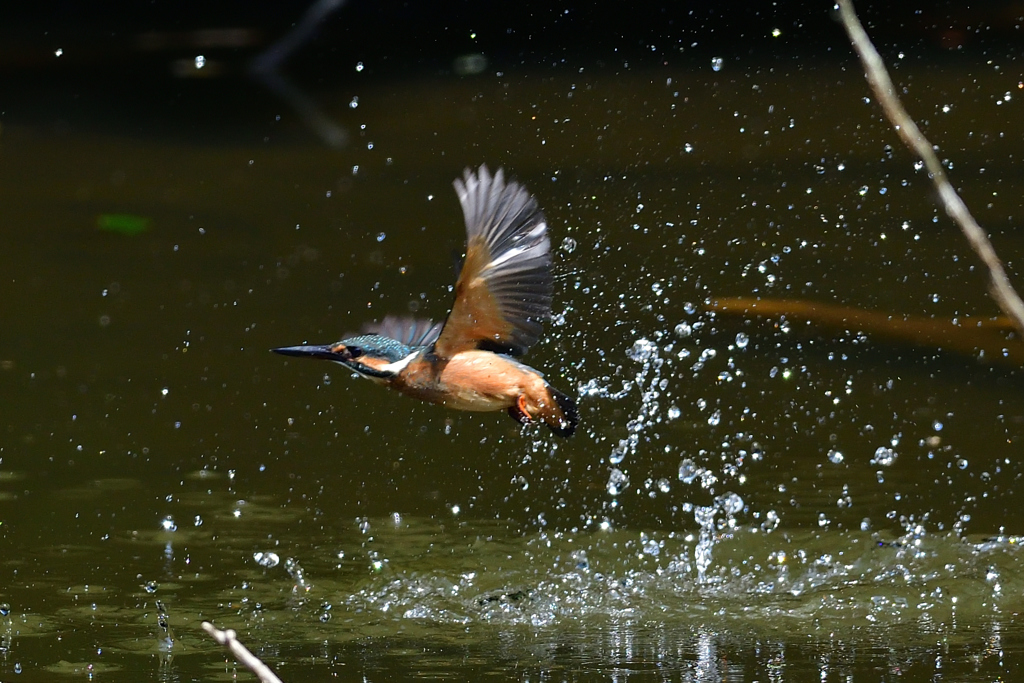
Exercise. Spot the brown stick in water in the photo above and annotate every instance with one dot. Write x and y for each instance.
(967, 336)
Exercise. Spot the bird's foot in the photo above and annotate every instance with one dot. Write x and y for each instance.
(518, 411)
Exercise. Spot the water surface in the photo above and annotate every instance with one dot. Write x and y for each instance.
(747, 499)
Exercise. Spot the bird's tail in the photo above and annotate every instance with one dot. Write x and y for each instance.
(560, 415)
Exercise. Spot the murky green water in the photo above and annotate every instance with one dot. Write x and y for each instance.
(746, 499)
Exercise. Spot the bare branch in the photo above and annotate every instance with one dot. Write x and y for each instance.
(874, 69)
(241, 654)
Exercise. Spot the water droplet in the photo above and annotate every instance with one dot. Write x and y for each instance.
(835, 457)
(359, 66)
(381, 236)
(684, 330)
(167, 524)
(863, 190)
(568, 245)
(716, 63)
(354, 102)
(687, 147)
(618, 453)
(580, 558)
(674, 412)
(617, 480)
(884, 456)
(771, 521)
(642, 351)
(961, 463)
(200, 61)
(688, 471)
(266, 560)
(730, 503)
(742, 340)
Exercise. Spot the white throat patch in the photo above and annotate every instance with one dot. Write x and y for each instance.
(390, 368)
(399, 365)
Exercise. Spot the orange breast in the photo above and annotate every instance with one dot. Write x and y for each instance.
(474, 380)
(481, 380)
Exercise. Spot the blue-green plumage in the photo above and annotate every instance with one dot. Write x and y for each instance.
(391, 350)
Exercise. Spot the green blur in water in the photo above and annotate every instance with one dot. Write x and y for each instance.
(122, 223)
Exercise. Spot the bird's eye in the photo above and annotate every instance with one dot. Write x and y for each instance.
(354, 351)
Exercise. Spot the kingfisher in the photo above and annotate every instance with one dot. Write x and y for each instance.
(502, 298)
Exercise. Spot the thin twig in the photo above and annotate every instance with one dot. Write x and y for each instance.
(881, 84)
(266, 68)
(241, 654)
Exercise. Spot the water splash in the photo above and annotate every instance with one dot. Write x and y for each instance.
(165, 636)
(705, 517)
(648, 378)
(6, 629)
(294, 569)
(729, 505)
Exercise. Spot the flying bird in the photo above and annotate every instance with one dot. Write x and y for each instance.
(502, 298)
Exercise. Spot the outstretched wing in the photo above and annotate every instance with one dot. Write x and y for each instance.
(412, 332)
(503, 294)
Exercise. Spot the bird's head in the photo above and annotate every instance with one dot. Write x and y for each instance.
(373, 356)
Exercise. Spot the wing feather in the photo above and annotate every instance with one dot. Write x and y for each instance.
(503, 294)
(413, 332)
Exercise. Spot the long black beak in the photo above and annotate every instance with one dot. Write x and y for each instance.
(322, 351)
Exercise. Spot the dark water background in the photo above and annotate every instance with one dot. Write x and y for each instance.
(747, 499)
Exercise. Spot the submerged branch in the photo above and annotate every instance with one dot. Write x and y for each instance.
(991, 340)
(885, 92)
